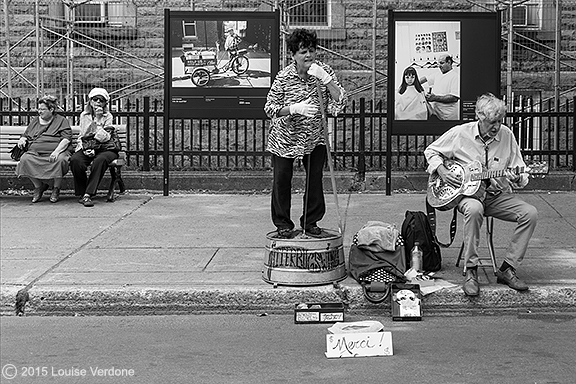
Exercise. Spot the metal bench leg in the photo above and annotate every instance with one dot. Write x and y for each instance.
(121, 185)
(113, 178)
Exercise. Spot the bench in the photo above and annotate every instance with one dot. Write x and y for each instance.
(10, 134)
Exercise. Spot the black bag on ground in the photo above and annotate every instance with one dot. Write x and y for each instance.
(375, 268)
(416, 227)
(375, 271)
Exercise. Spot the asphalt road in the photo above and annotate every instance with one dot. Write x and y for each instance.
(207, 349)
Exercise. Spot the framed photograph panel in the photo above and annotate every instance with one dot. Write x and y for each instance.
(438, 64)
(219, 64)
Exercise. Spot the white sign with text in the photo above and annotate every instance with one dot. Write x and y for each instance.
(359, 344)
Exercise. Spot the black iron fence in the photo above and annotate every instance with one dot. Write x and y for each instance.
(357, 136)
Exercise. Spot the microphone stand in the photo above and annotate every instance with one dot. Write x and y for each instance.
(329, 154)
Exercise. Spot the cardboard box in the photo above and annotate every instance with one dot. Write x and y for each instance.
(406, 302)
(311, 313)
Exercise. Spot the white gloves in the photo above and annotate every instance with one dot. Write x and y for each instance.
(305, 108)
(319, 72)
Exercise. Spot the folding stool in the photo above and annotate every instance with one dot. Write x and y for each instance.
(489, 243)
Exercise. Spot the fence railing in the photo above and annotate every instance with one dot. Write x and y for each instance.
(358, 137)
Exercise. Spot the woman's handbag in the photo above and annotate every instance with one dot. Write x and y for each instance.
(114, 144)
(17, 152)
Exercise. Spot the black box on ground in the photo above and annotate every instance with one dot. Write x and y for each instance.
(406, 302)
(310, 313)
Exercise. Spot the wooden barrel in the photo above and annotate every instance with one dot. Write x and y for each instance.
(304, 260)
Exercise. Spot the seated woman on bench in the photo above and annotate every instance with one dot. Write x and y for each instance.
(97, 146)
(48, 139)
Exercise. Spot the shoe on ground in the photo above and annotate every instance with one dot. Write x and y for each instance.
(87, 201)
(314, 230)
(38, 192)
(471, 286)
(509, 278)
(284, 233)
(55, 196)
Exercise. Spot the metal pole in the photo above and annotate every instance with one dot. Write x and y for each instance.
(329, 158)
(37, 19)
(374, 20)
(8, 64)
(557, 49)
(70, 19)
(509, 58)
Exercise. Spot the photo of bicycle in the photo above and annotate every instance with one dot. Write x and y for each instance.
(226, 59)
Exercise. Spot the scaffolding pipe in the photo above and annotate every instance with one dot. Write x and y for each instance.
(8, 63)
(509, 57)
(558, 48)
(37, 25)
(374, 31)
(69, 52)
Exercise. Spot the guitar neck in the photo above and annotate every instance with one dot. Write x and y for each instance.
(490, 174)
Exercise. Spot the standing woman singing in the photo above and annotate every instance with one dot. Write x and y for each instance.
(48, 139)
(296, 131)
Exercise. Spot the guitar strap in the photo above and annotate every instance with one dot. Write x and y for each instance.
(431, 213)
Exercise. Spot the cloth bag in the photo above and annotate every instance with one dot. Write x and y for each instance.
(89, 141)
(374, 267)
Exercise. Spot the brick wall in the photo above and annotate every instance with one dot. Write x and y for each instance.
(135, 55)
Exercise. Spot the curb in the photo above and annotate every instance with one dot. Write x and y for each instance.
(70, 301)
(218, 182)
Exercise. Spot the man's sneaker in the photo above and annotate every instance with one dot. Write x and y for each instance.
(509, 278)
(87, 201)
(284, 233)
(314, 230)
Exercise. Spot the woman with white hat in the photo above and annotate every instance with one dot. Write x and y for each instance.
(97, 146)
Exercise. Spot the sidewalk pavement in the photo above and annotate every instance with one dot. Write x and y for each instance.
(189, 253)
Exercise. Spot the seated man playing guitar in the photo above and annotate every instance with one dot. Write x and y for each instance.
(494, 146)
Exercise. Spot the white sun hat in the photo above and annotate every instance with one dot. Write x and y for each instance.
(99, 92)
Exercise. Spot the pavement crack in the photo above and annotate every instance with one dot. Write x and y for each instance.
(557, 211)
(23, 296)
(211, 258)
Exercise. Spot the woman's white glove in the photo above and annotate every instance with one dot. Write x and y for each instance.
(319, 72)
(305, 108)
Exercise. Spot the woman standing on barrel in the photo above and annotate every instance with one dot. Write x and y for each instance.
(296, 130)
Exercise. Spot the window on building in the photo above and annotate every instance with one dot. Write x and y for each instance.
(189, 28)
(308, 13)
(91, 12)
(527, 15)
(111, 13)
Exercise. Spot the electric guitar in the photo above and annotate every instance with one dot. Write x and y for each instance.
(443, 196)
